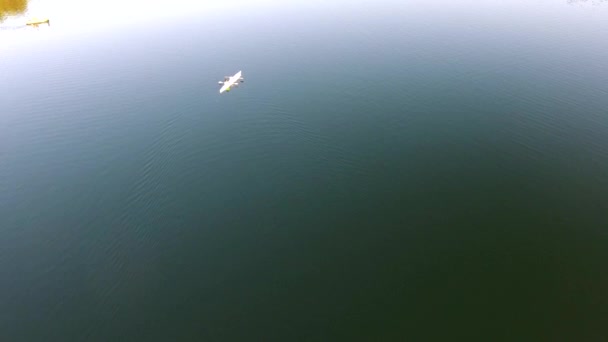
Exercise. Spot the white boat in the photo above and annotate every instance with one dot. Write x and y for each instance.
(231, 81)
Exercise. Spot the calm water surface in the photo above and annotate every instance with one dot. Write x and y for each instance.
(424, 170)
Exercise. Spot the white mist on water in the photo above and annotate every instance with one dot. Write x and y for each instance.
(73, 18)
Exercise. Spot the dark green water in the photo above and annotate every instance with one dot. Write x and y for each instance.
(435, 170)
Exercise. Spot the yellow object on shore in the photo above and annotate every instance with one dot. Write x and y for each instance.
(36, 22)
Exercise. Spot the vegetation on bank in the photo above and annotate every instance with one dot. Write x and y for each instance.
(12, 7)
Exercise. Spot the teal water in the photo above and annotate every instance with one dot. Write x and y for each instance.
(433, 170)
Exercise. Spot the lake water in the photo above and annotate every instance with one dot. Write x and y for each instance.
(389, 171)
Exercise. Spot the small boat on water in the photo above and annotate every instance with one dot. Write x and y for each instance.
(231, 81)
(35, 22)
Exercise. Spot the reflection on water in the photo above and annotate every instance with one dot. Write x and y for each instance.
(12, 7)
